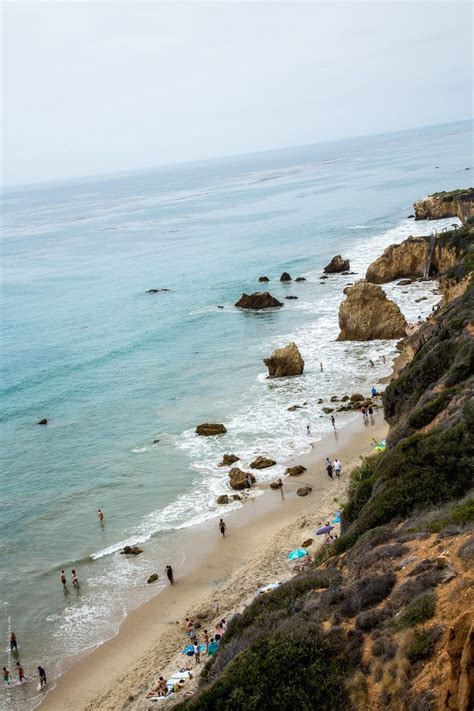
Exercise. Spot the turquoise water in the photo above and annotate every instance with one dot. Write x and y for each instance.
(114, 368)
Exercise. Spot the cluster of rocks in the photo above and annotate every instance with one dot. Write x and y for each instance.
(131, 550)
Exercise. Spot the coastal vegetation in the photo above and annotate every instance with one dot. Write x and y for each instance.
(361, 628)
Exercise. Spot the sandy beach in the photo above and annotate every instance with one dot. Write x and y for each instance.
(119, 673)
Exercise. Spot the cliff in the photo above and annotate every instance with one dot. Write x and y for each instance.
(455, 203)
(366, 314)
(383, 619)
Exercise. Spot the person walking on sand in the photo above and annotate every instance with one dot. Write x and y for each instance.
(222, 527)
(75, 580)
(169, 574)
(20, 672)
(100, 516)
(333, 421)
(13, 642)
(329, 467)
(206, 640)
(62, 578)
(337, 467)
(42, 677)
(6, 675)
(280, 486)
(308, 430)
(197, 653)
(371, 414)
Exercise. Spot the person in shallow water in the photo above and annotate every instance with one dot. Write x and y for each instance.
(333, 421)
(6, 675)
(100, 516)
(308, 430)
(169, 574)
(62, 578)
(20, 672)
(222, 527)
(42, 677)
(75, 580)
(13, 642)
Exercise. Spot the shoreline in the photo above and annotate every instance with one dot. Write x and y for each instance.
(149, 640)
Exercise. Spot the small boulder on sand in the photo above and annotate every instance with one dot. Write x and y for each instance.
(228, 460)
(357, 397)
(306, 544)
(152, 578)
(223, 499)
(131, 550)
(239, 479)
(275, 485)
(209, 430)
(262, 463)
(296, 471)
(304, 490)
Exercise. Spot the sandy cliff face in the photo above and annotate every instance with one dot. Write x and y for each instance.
(409, 260)
(367, 314)
(457, 203)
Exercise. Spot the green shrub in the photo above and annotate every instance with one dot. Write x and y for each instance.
(421, 647)
(295, 669)
(458, 516)
(426, 414)
(421, 609)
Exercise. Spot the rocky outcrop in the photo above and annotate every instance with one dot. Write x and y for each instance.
(409, 260)
(131, 550)
(152, 578)
(223, 499)
(366, 315)
(285, 361)
(457, 691)
(285, 277)
(262, 463)
(228, 460)
(209, 430)
(239, 479)
(296, 470)
(336, 265)
(258, 300)
(456, 203)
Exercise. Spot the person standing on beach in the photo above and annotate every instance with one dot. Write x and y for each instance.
(206, 640)
(280, 486)
(42, 677)
(371, 414)
(169, 574)
(222, 527)
(62, 578)
(333, 421)
(308, 430)
(337, 467)
(100, 516)
(197, 653)
(13, 642)
(20, 672)
(329, 467)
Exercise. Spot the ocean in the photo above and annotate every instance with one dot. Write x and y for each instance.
(124, 376)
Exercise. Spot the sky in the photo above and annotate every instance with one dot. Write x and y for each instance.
(106, 86)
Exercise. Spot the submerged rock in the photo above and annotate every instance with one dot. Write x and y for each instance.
(258, 300)
(156, 291)
(367, 314)
(296, 470)
(285, 277)
(131, 550)
(44, 421)
(209, 430)
(300, 279)
(239, 479)
(228, 460)
(291, 297)
(152, 578)
(262, 463)
(336, 265)
(285, 361)
(223, 499)
(263, 279)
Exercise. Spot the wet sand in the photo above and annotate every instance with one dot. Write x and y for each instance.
(254, 552)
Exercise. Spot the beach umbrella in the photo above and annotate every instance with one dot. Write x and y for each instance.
(323, 529)
(298, 553)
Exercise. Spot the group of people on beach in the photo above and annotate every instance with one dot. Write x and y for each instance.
(333, 468)
(7, 679)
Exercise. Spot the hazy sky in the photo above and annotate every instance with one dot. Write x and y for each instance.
(98, 87)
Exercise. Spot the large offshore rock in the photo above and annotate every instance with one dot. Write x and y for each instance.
(258, 300)
(336, 265)
(208, 429)
(285, 361)
(366, 315)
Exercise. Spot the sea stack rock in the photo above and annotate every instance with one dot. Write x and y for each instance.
(239, 480)
(336, 265)
(209, 430)
(285, 361)
(228, 460)
(285, 277)
(258, 300)
(263, 279)
(366, 315)
(262, 463)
